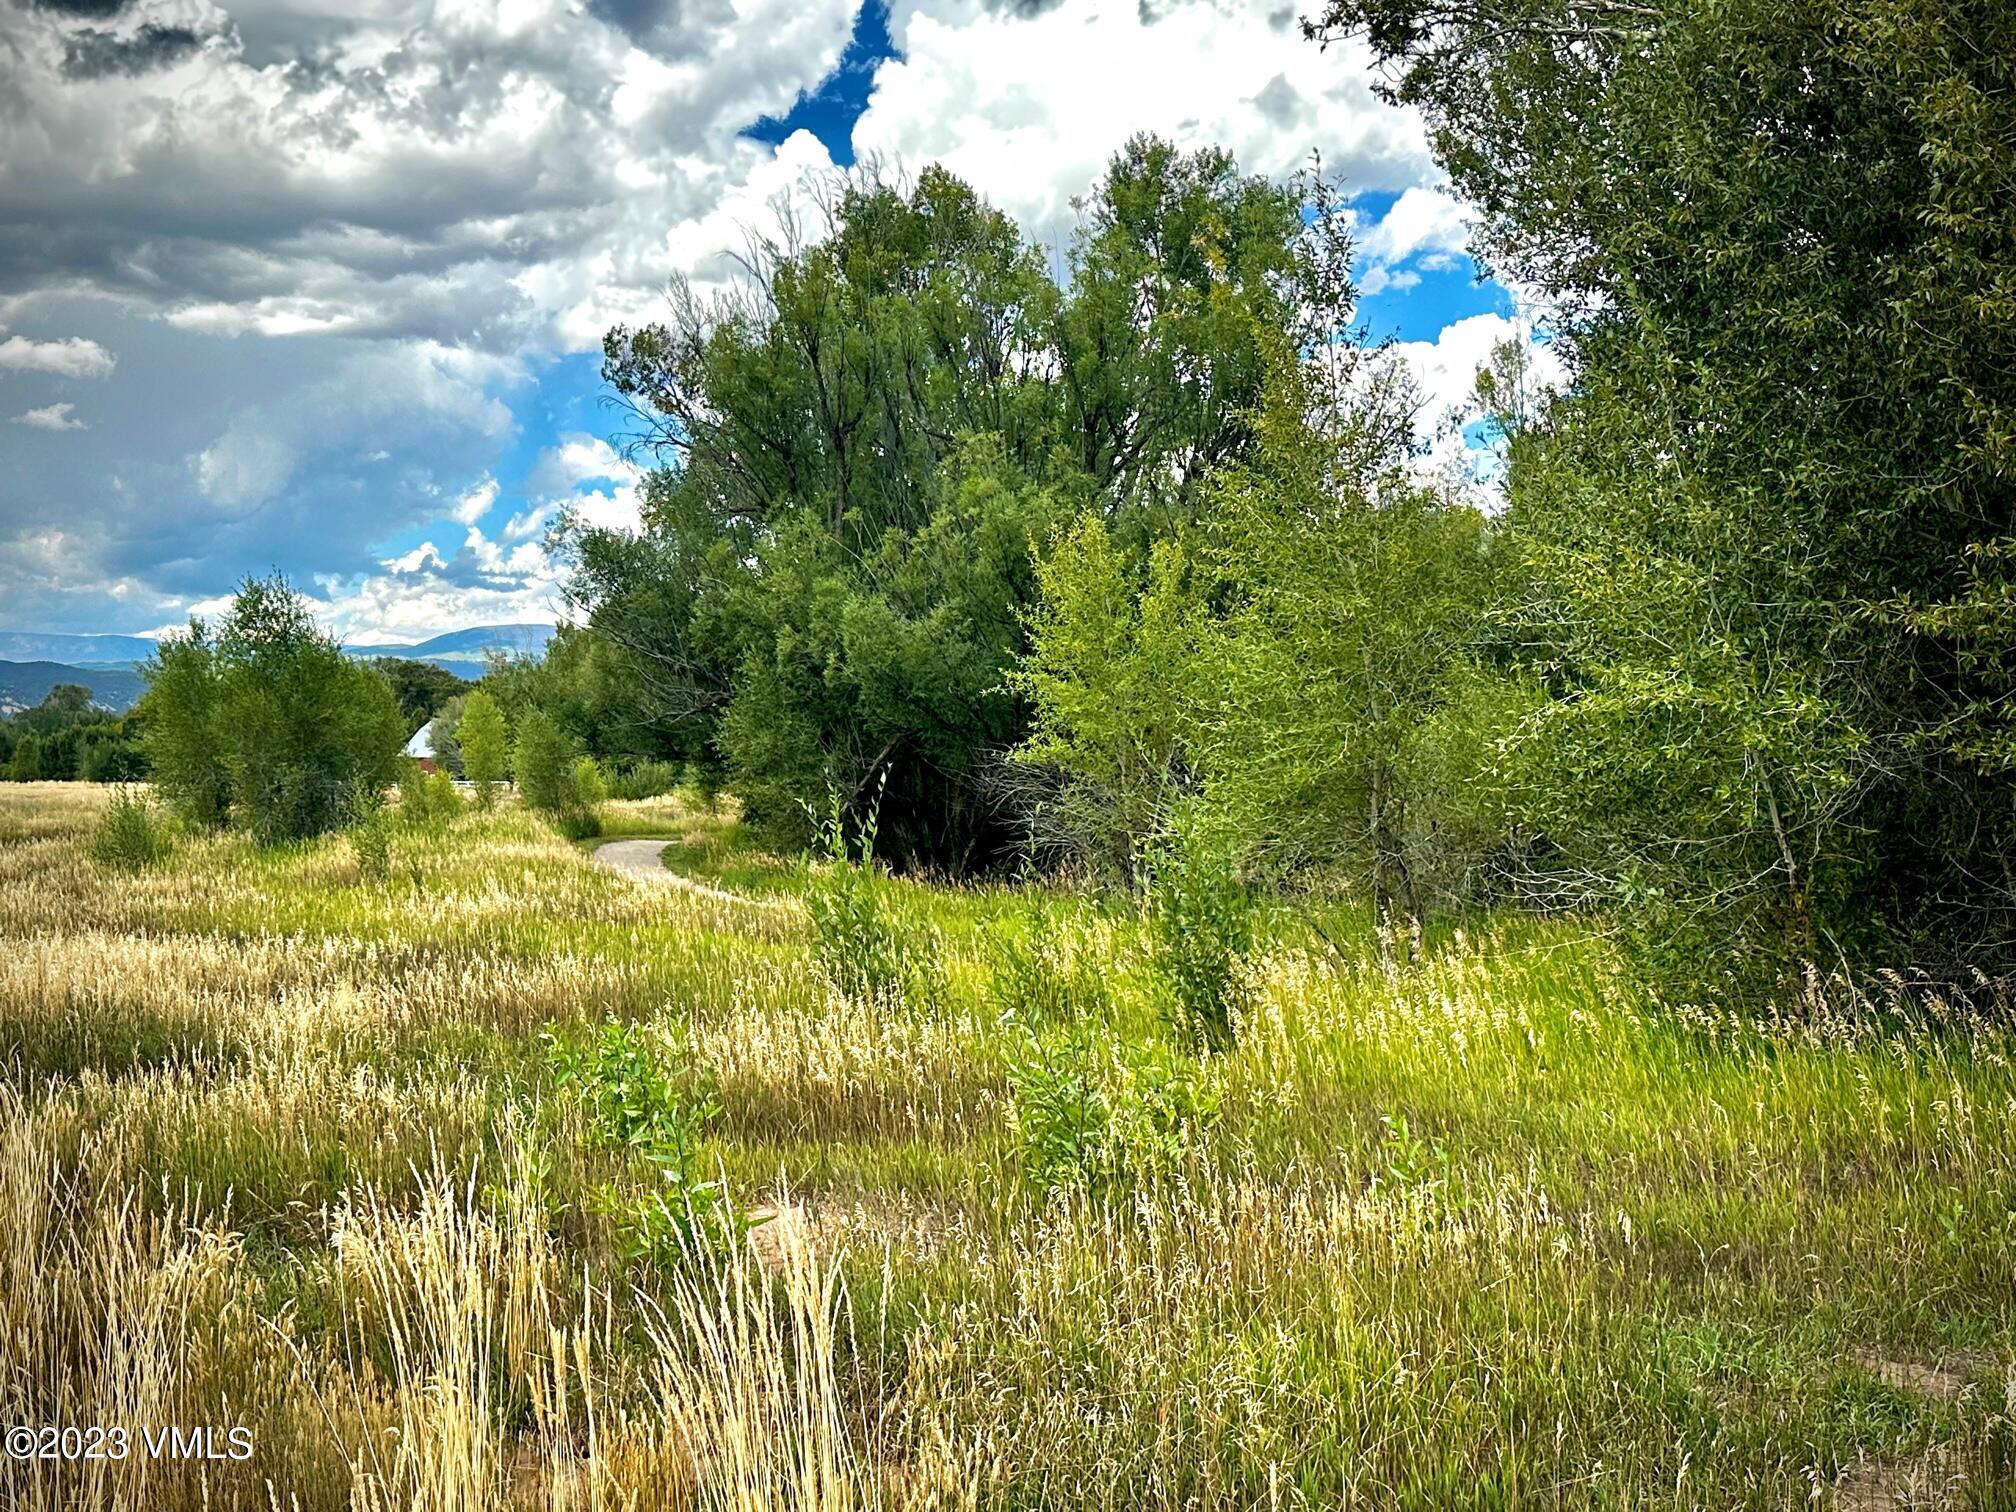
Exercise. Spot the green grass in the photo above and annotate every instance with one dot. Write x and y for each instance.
(1479, 1231)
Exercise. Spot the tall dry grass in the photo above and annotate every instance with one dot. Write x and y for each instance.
(280, 1150)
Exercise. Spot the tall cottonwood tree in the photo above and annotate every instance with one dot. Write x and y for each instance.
(1290, 657)
(859, 447)
(1764, 534)
(264, 720)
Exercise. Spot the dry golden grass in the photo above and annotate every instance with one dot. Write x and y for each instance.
(281, 1149)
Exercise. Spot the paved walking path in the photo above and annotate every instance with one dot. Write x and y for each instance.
(644, 861)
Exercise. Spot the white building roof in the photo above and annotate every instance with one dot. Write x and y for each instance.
(422, 743)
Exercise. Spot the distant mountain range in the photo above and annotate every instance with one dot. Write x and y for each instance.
(25, 684)
(74, 650)
(464, 646)
(31, 663)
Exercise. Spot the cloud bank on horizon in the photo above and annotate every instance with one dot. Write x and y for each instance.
(321, 286)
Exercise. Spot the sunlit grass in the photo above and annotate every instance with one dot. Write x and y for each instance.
(279, 1147)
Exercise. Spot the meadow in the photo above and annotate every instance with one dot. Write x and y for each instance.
(359, 1164)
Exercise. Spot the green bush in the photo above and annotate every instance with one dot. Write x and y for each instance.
(542, 759)
(442, 797)
(634, 1103)
(1047, 971)
(427, 800)
(578, 824)
(369, 832)
(1092, 1117)
(1201, 924)
(860, 945)
(589, 788)
(555, 778)
(371, 844)
(645, 779)
(130, 834)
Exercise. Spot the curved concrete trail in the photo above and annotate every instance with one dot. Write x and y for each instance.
(644, 861)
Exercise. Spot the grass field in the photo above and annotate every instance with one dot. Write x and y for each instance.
(290, 1150)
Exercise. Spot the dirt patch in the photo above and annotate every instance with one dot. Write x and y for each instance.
(1945, 1378)
(1934, 1478)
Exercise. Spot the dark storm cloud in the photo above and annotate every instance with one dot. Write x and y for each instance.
(82, 10)
(326, 261)
(93, 54)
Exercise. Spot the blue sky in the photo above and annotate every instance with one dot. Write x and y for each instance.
(352, 330)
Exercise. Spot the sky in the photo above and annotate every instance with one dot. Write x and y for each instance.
(319, 286)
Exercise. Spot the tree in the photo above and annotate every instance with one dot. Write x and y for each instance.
(542, 760)
(111, 752)
(66, 738)
(268, 720)
(482, 736)
(862, 444)
(1352, 605)
(1761, 537)
(27, 762)
(421, 688)
(1292, 653)
(182, 739)
(1110, 675)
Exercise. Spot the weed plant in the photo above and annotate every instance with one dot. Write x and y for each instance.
(131, 834)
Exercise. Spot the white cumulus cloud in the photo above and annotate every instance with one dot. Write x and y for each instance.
(55, 417)
(475, 504)
(1425, 226)
(72, 357)
(1029, 108)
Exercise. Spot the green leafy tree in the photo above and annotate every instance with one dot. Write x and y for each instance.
(269, 718)
(542, 760)
(422, 688)
(1110, 676)
(182, 740)
(482, 737)
(1289, 656)
(27, 761)
(1761, 537)
(861, 447)
(554, 776)
(1352, 610)
(66, 738)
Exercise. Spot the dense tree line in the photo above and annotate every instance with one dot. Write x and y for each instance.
(1762, 546)
(68, 738)
(1059, 565)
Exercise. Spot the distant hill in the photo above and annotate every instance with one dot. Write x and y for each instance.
(32, 663)
(25, 684)
(74, 650)
(462, 650)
